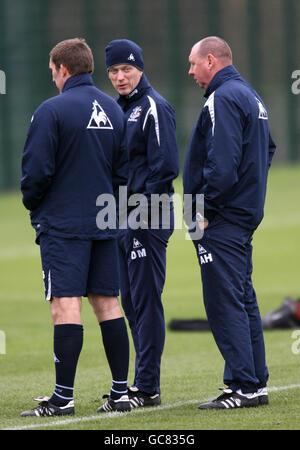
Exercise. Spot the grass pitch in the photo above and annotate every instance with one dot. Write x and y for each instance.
(192, 367)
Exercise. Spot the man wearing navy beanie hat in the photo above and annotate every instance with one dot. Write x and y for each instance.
(123, 51)
(153, 165)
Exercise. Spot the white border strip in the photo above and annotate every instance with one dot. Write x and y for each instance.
(113, 415)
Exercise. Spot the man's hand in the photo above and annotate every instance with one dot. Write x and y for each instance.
(202, 222)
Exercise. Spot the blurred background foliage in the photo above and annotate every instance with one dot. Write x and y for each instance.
(263, 35)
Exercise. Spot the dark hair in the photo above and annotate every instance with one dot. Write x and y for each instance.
(75, 54)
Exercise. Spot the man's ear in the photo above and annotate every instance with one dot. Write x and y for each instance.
(210, 60)
(65, 72)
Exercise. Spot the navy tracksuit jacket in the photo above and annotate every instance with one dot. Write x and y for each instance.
(153, 165)
(63, 171)
(227, 161)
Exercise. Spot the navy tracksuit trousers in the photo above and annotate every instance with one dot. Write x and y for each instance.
(142, 259)
(225, 258)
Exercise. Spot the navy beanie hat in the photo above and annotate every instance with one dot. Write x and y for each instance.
(123, 51)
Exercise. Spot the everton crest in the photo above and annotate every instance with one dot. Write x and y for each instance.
(135, 114)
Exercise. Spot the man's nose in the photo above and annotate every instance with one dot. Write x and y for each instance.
(120, 75)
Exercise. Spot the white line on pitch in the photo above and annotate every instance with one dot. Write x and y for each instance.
(113, 415)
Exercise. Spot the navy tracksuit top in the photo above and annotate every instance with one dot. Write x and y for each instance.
(230, 151)
(152, 146)
(73, 153)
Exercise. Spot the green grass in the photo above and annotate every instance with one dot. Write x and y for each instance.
(192, 367)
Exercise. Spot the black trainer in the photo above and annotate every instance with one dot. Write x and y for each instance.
(263, 397)
(230, 400)
(45, 409)
(120, 405)
(139, 399)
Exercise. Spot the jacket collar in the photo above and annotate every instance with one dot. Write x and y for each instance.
(137, 93)
(225, 74)
(78, 80)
